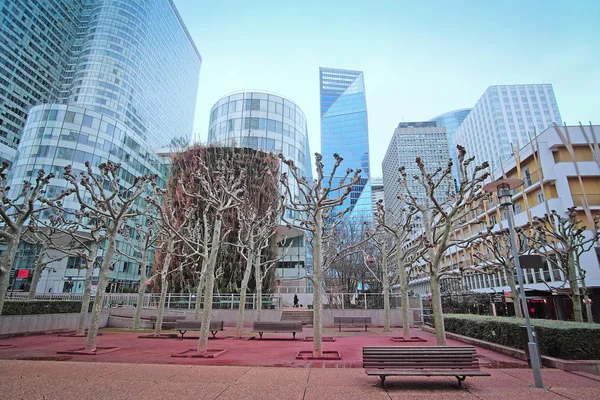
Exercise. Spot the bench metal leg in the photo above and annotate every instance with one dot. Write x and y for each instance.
(365, 328)
(260, 333)
(294, 333)
(460, 380)
(182, 332)
(214, 333)
(382, 378)
(340, 328)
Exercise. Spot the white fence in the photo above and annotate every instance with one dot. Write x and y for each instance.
(183, 301)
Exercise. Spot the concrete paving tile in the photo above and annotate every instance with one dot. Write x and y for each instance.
(340, 377)
(513, 393)
(344, 393)
(15, 387)
(276, 391)
(448, 393)
(64, 369)
(578, 393)
(183, 391)
(498, 378)
(554, 377)
(293, 376)
(148, 372)
(101, 389)
(210, 374)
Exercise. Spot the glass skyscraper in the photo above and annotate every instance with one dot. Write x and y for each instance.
(128, 86)
(451, 121)
(344, 130)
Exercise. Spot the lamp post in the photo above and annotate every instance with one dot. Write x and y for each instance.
(504, 187)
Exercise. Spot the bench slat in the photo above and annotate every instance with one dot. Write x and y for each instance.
(417, 372)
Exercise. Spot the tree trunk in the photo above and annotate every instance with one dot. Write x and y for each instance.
(87, 289)
(37, 272)
(90, 343)
(586, 297)
(201, 284)
(163, 287)
(243, 290)
(403, 290)
(514, 293)
(258, 278)
(575, 293)
(438, 315)
(318, 285)
(210, 284)
(386, 292)
(7, 261)
(141, 291)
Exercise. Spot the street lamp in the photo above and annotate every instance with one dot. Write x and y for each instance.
(504, 187)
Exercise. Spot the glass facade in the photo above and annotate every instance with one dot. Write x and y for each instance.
(344, 130)
(128, 86)
(451, 121)
(272, 123)
(132, 60)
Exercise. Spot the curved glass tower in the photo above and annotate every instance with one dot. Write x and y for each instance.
(451, 121)
(344, 130)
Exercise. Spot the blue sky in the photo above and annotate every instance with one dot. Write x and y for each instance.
(420, 58)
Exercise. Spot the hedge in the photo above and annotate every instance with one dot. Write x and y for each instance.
(22, 307)
(561, 339)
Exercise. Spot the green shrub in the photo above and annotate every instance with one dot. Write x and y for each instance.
(561, 339)
(22, 307)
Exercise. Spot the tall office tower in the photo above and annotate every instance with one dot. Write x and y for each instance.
(36, 43)
(412, 140)
(272, 123)
(451, 121)
(344, 130)
(506, 116)
(130, 86)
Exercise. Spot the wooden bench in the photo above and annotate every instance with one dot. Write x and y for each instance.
(192, 325)
(458, 361)
(352, 321)
(278, 327)
(168, 321)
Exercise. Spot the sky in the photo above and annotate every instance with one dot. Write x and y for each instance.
(419, 58)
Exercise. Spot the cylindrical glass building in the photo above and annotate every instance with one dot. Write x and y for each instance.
(272, 123)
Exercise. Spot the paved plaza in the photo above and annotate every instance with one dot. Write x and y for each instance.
(253, 369)
(47, 380)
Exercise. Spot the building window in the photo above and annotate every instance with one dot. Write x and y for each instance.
(527, 177)
(540, 197)
(87, 121)
(517, 208)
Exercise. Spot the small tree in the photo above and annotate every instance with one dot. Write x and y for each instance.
(103, 198)
(441, 218)
(15, 213)
(564, 237)
(315, 212)
(405, 250)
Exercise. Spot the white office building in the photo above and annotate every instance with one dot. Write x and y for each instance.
(506, 115)
(411, 140)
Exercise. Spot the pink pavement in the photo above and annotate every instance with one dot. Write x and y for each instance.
(274, 350)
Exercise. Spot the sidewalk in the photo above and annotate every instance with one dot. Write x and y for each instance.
(97, 380)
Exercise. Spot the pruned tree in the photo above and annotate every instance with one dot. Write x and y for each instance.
(382, 243)
(15, 213)
(147, 234)
(497, 256)
(316, 208)
(406, 251)
(565, 237)
(103, 197)
(442, 211)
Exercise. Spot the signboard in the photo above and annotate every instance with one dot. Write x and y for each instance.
(22, 273)
(93, 290)
(531, 261)
(498, 297)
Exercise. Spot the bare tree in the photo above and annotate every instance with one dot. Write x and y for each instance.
(316, 207)
(564, 236)
(405, 250)
(103, 197)
(440, 218)
(15, 214)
